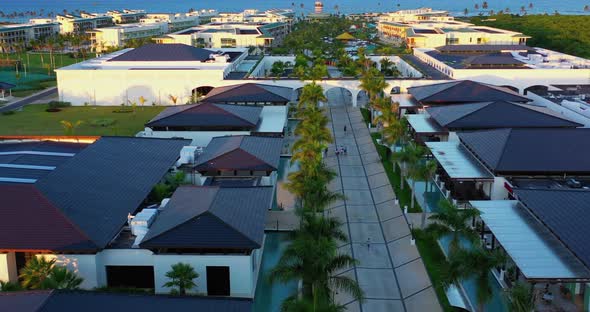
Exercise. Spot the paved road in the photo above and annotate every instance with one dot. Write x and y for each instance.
(30, 99)
(430, 71)
(390, 269)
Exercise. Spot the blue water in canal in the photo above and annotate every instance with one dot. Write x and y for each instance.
(269, 296)
(498, 301)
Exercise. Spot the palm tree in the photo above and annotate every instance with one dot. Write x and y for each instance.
(70, 127)
(450, 220)
(173, 98)
(465, 12)
(407, 158)
(35, 271)
(311, 95)
(422, 171)
(392, 128)
(521, 298)
(181, 276)
(142, 101)
(485, 5)
(476, 263)
(294, 304)
(61, 278)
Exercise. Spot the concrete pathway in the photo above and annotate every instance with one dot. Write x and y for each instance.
(390, 269)
(50, 92)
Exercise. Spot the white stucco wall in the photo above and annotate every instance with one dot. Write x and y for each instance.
(499, 192)
(8, 267)
(199, 138)
(92, 268)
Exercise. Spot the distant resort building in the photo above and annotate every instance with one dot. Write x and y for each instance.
(119, 35)
(230, 35)
(255, 16)
(13, 34)
(318, 7)
(430, 29)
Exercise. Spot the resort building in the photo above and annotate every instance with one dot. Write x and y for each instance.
(255, 16)
(89, 207)
(126, 16)
(239, 161)
(426, 28)
(230, 35)
(481, 165)
(514, 65)
(251, 94)
(453, 92)
(176, 21)
(164, 74)
(119, 35)
(542, 231)
(70, 301)
(204, 121)
(13, 34)
(441, 123)
(79, 24)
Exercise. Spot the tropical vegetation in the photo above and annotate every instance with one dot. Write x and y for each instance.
(181, 278)
(565, 33)
(312, 256)
(43, 273)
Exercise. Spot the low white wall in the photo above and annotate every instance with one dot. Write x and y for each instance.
(199, 138)
(499, 192)
(84, 266)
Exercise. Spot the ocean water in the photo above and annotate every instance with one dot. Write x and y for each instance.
(344, 6)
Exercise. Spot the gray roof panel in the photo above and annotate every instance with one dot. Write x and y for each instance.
(101, 185)
(222, 218)
(566, 213)
(250, 92)
(164, 53)
(207, 115)
(256, 152)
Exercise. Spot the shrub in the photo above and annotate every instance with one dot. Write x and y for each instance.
(7, 113)
(58, 104)
(102, 122)
(123, 109)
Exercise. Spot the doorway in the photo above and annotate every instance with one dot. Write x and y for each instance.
(218, 281)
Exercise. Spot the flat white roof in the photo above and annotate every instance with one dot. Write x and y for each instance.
(536, 252)
(422, 123)
(273, 119)
(458, 162)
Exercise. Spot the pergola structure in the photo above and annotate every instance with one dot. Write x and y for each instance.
(5, 86)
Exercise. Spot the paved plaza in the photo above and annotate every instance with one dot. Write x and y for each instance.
(389, 270)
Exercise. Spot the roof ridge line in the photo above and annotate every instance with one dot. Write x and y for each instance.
(64, 215)
(504, 147)
(485, 104)
(176, 113)
(239, 117)
(247, 152)
(226, 224)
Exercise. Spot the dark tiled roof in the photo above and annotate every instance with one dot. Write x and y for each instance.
(230, 218)
(164, 53)
(241, 153)
(566, 213)
(500, 114)
(74, 301)
(101, 185)
(494, 59)
(463, 91)
(250, 92)
(207, 115)
(29, 221)
(531, 151)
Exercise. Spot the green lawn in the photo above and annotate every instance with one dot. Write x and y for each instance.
(39, 62)
(34, 120)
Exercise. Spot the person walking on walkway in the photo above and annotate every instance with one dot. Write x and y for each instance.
(368, 243)
(344, 129)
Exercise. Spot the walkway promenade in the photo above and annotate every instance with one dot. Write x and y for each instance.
(390, 269)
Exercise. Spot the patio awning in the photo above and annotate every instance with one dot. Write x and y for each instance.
(458, 163)
(6, 85)
(405, 100)
(272, 119)
(423, 124)
(535, 250)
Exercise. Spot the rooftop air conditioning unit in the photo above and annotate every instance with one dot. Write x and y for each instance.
(187, 155)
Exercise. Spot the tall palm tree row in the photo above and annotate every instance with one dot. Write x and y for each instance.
(312, 256)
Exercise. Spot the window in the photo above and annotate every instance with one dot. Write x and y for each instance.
(130, 276)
